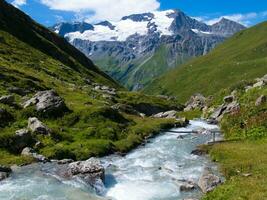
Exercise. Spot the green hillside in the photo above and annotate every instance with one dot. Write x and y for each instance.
(34, 59)
(242, 57)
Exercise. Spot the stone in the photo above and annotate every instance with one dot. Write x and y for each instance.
(261, 83)
(229, 99)
(169, 114)
(8, 100)
(198, 152)
(37, 126)
(208, 181)
(197, 101)
(32, 153)
(187, 187)
(261, 100)
(4, 172)
(229, 108)
(47, 102)
(65, 161)
(91, 171)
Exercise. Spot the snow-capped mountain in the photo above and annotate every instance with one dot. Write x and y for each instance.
(140, 47)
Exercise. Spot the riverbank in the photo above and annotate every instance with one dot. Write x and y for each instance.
(154, 171)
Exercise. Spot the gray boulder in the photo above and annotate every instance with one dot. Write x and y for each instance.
(208, 181)
(261, 100)
(91, 171)
(32, 153)
(8, 100)
(37, 126)
(187, 187)
(47, 102)
(225, 108)
(197, 101)
(169, 114)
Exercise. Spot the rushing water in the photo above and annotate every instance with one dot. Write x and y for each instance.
(152, 172)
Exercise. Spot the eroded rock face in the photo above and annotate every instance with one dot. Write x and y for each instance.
(91, 171)
(197, 101)
(47, 102)
(37, 126)
(208, 181)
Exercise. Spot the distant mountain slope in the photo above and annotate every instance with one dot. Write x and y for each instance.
(83, 112)
(19, 25)
(141, 47)
(242, 57)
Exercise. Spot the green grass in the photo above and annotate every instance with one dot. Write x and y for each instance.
(242, 57)
(35, 59)
(244, 151)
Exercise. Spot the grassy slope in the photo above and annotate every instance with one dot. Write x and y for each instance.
(34, 58)
(245, 151)
(242, 57)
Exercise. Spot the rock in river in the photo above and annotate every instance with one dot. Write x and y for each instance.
(4, 172)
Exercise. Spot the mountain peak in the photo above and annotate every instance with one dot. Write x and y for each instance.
(227, 27)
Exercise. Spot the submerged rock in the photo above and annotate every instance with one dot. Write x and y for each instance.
(91, 171)
(208, 181)
(4, 172)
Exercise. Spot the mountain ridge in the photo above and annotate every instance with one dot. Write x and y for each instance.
(121, 48)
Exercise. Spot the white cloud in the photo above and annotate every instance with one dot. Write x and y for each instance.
(245, 19)
(103, 9)
(18, 3)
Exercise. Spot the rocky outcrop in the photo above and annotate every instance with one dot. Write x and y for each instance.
(105, 89)
(168, 115)
(225, 108)
(208, 181)
(260, 82)
(47, 102)
(151, 109)
(8, 100)
(4, 172)
(261, 100)
(229, 99)
(197, 101)
(32, 153)
(37, 126)
(91, 171)
(5, 117)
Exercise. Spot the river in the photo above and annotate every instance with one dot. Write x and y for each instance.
(151, 172)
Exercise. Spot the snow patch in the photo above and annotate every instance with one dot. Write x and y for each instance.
(199, 31)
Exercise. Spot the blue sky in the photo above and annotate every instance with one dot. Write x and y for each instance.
(49, 12)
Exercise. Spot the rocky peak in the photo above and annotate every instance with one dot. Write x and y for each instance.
(227, 27)
(139, 17)
(64, 28)
(107, 24)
